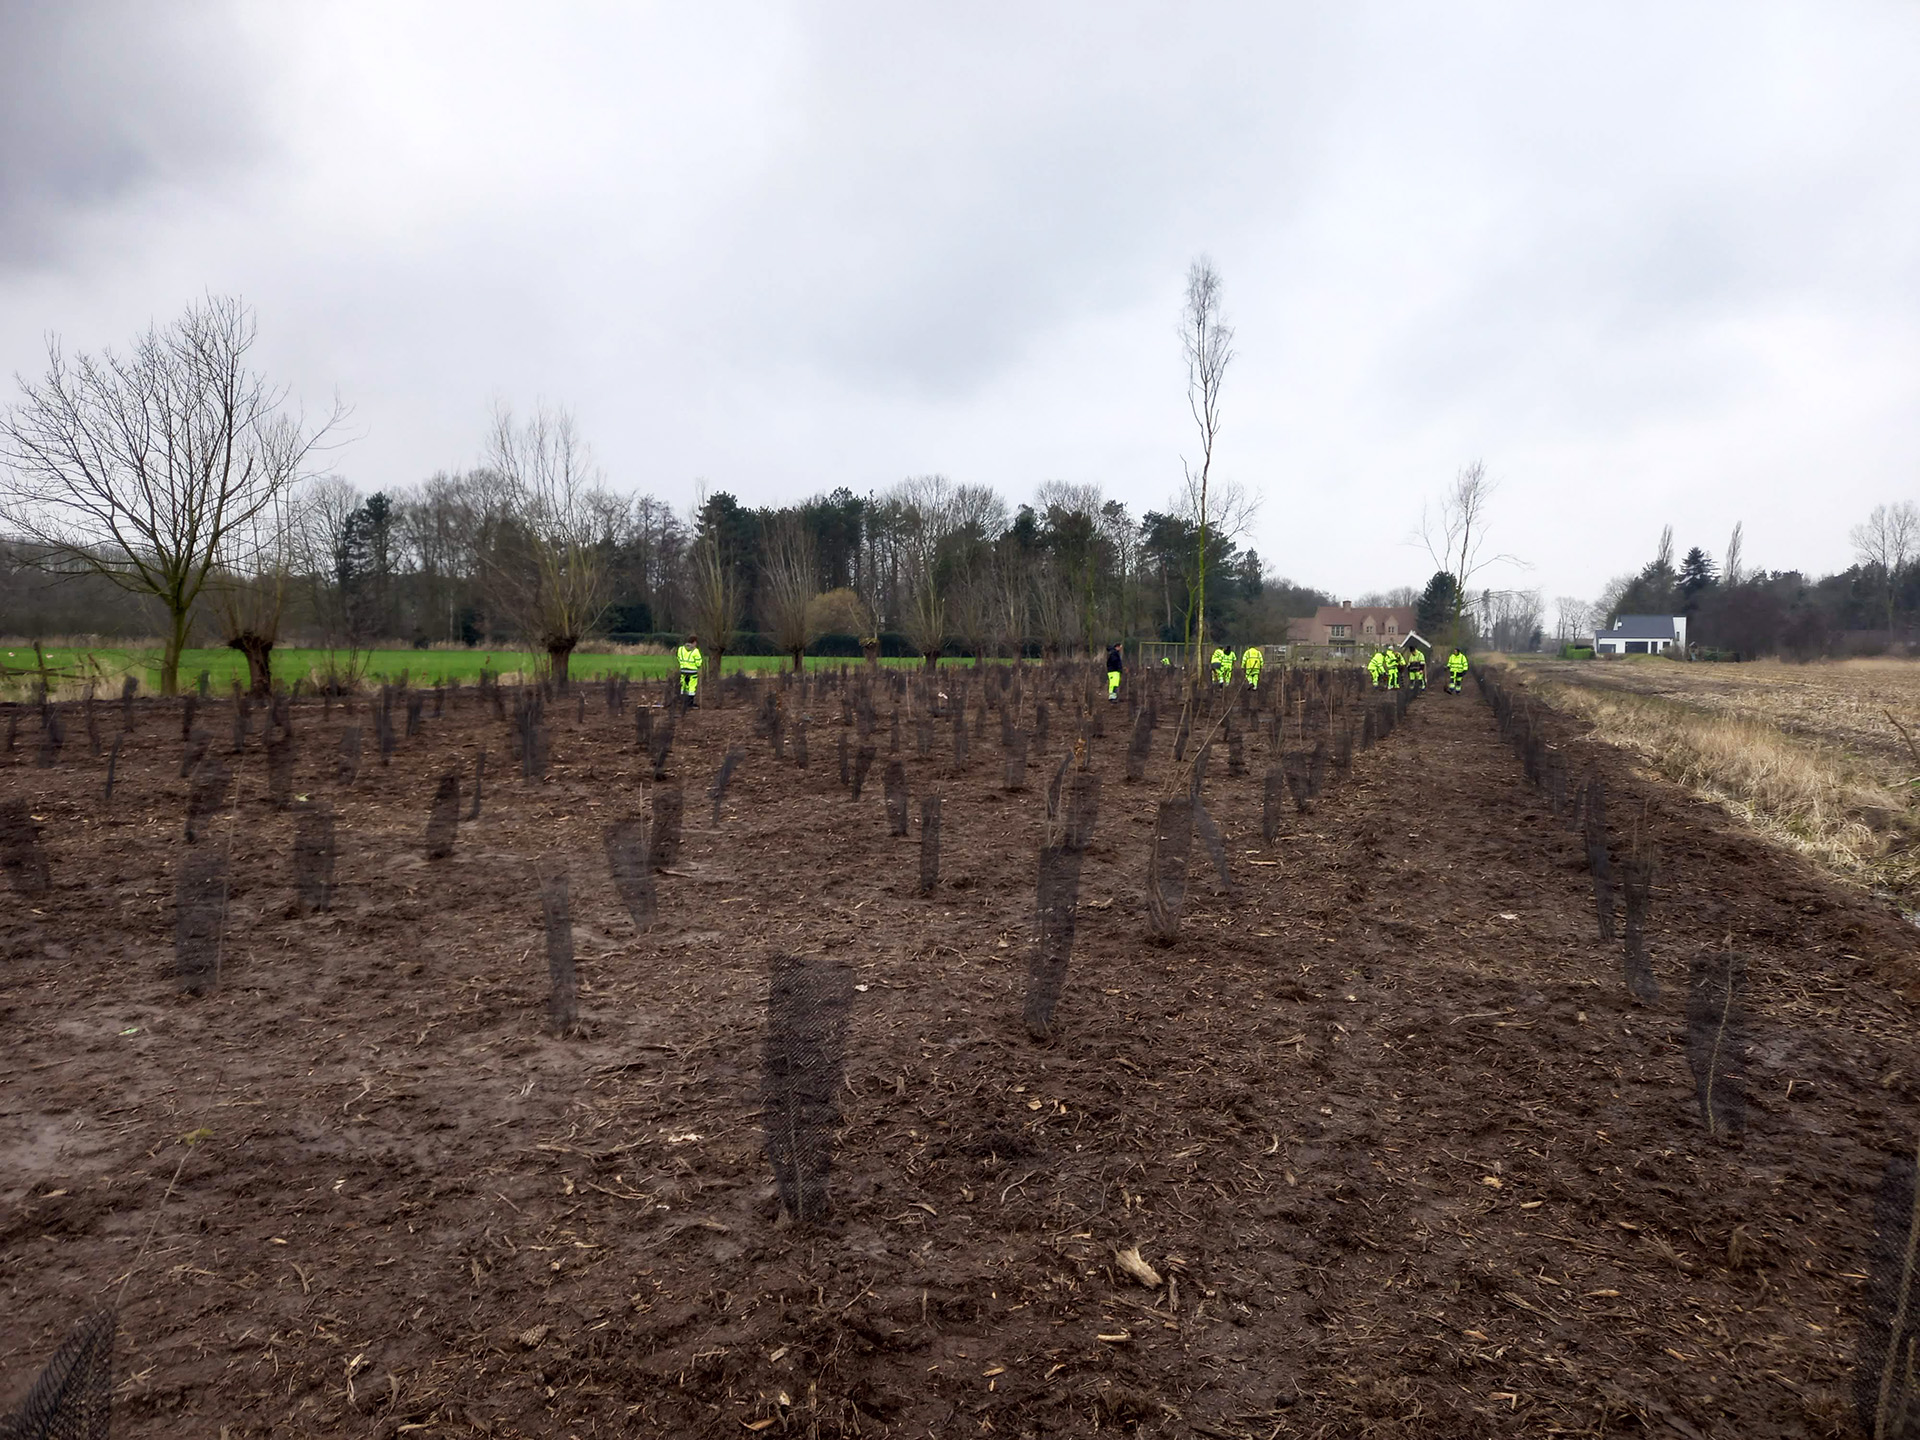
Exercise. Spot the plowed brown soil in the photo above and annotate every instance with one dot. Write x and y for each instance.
(1384, 1121)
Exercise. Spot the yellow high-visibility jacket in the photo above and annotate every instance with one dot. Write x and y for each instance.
(689, 657)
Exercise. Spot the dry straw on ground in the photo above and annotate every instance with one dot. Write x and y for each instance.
(1805, 754)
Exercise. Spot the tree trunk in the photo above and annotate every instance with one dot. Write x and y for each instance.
(932, 658)
(799, 659)
(712, 677)
(170, 656)
(560, 654)
(259, 652)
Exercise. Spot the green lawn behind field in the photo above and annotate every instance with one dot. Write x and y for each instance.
(106, 667)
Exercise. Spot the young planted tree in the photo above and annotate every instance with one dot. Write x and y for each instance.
(143, 467)
(548, 565)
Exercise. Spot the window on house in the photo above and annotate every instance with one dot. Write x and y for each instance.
(1338, 632)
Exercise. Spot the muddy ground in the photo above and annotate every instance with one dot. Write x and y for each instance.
(1406, 1158)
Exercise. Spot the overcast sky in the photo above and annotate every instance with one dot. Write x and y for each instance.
(1651, 263)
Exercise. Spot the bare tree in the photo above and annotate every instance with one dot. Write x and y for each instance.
(713, 601)
(1575, 618)
(548, 565)
(1733, 572)
(251, 586)
(789, 586)
(1886, 542)
(1207, 341)
(1510, 619)
(1456, 537)
(140, 467)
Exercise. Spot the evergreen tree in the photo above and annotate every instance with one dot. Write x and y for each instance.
(1434, 610)
(1696, 573)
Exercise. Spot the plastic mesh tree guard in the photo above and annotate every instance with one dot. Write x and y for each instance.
(194, 752)
(809, 1001)
(800, 742)
(1210, 837)
(313, 857)
(643, 729)
(479, 779)
(22, 854)
(207, 795)
(1717, 1038)
(1599, 864)
(959, 736)
(897, 800)
(443, 820)
(113, 767)
(72, 1397)
(662, 742)
(1016, 776)
(1167, 867)
(929, 845)
(1140, 746)
(627, 863)
(349, 760)
(199, 920)
(717, 792)
(1887, 1379)
(1637, 888)
(281, 754)
(1058, 894)
(1272, 802)
(663, 840)
(563, 994)
(862, 763)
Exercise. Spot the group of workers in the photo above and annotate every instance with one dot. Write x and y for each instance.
(1391, 669)
(1387, 668)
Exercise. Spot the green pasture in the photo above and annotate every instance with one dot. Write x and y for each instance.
(106, 667)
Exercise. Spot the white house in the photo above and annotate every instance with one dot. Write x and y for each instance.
(1643, 635)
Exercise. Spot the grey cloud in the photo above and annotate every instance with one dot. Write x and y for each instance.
(99, 98)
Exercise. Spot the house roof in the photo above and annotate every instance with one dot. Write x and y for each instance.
(1643, 627)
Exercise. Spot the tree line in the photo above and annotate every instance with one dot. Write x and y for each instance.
(175, 475)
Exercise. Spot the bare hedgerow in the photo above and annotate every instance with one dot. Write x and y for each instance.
(809, 1002)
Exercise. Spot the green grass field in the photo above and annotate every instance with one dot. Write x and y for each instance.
(106, 667)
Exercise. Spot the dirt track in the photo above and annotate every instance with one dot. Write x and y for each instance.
(1409, 1159)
